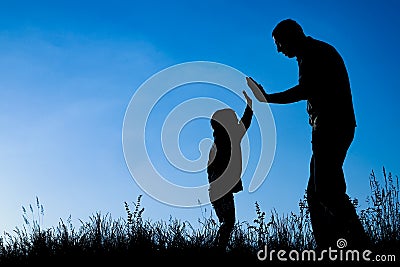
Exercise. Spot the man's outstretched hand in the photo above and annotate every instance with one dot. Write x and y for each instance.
(257, 89)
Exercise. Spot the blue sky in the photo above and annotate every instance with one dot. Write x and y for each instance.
(69, 69)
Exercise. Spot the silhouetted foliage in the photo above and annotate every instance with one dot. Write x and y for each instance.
(104, 240)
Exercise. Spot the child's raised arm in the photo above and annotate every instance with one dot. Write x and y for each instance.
(249, 101)
(248, 114)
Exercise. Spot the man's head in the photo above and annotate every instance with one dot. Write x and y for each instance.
(289, 37)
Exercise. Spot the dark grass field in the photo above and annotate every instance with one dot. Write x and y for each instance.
(133, 241)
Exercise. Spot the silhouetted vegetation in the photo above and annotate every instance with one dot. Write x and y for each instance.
(104, 240)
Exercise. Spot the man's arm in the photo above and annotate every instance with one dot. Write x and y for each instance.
(291, 95)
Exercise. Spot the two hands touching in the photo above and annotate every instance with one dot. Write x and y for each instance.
(257, 89)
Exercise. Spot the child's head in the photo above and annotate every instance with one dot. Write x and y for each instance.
(224, 120)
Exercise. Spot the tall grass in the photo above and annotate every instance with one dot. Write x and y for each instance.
(381, 218)
(103, 239)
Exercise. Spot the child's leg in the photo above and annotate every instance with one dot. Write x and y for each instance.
(225, 210)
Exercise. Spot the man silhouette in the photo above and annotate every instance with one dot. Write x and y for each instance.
(324, 83)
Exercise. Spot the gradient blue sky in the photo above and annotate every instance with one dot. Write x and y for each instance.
(68, 70)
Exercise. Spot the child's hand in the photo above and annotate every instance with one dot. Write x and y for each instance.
(248, 99)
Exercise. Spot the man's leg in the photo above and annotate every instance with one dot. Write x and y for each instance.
(328, 183)
(329, 154)
(320, 219)
(352, 229)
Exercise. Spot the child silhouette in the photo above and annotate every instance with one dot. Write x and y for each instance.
(225, 166)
